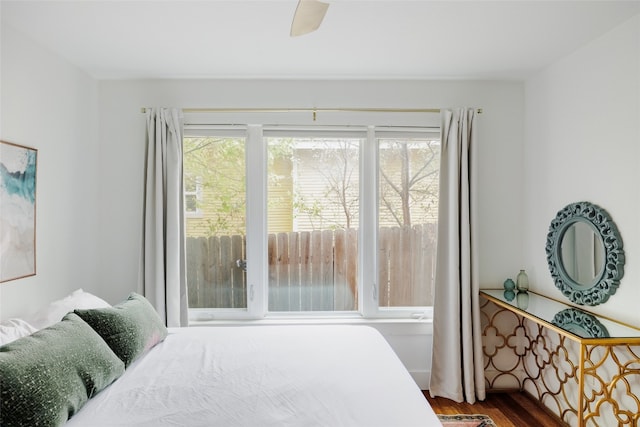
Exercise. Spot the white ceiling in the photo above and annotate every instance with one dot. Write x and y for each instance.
(358, 38)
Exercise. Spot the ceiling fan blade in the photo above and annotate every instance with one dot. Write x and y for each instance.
(308, 16)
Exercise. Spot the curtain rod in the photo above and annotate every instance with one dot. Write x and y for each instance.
(310, 110)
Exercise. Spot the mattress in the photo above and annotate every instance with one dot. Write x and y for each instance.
(281, 376)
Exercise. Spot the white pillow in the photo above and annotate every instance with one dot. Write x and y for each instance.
(12, 329)
(54, 312)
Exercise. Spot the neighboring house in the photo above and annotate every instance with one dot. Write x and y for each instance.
(304, 191)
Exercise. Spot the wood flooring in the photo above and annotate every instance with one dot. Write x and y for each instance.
(509, 409)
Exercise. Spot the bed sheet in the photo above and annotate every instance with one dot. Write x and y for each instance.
(258, 376)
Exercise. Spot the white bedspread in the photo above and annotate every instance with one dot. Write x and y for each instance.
(263, 376)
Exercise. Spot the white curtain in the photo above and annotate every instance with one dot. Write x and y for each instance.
(457, 370)
(163, 274)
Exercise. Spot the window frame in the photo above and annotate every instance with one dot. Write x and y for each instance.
(257, 231)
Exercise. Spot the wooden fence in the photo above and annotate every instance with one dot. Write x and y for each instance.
(314, 271)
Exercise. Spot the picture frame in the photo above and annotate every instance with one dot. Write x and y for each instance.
(18, 175)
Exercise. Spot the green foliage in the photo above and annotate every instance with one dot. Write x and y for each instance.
(218, 165)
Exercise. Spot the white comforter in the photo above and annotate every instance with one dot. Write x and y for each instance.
(263, 376)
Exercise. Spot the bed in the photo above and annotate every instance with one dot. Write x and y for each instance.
(317, 375)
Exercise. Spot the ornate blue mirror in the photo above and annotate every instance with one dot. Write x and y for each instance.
(584, 253)
(580, 323)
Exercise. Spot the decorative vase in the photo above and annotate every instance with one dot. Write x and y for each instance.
(522, 281)
(509, 285)
(509, 294)
(522, 300)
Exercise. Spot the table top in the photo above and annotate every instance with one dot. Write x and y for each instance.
(577, 322)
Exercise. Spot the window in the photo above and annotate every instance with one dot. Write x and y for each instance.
(215, 245)
(192, 195)
(407, 217)
(311, 221)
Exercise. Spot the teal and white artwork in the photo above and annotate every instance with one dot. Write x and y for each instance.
(17, 211)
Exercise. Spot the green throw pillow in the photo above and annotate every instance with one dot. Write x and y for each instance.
(130, 328)
(48, 376)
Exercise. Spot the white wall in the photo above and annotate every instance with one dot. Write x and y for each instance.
(50, 105)
(122, 128)
(583, 143)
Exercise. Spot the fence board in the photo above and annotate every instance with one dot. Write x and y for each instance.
(352, 267)
(418, 266)
(223, 291)
(404, 285)
(384, 238)
(283, 294)
(305, 270)
(326, 289)
(239, 286)
(315, 253)
(341, 288)
(194, 274)
(213, 270)
(395, 266)
(272, 261)
(429, 244)
(295, 301)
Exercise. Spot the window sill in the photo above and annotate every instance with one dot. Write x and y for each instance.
(312, 321)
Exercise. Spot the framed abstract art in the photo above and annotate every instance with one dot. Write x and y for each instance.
(17, 211)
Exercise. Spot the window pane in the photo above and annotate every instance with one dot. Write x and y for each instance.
(312, 222)
(190, 203)
(407, 220)
(215, 244)
(192, 194)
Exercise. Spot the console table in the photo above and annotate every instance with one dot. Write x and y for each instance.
(583, 367)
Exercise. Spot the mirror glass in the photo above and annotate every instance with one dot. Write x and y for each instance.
(582, 253)
(580, 323)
